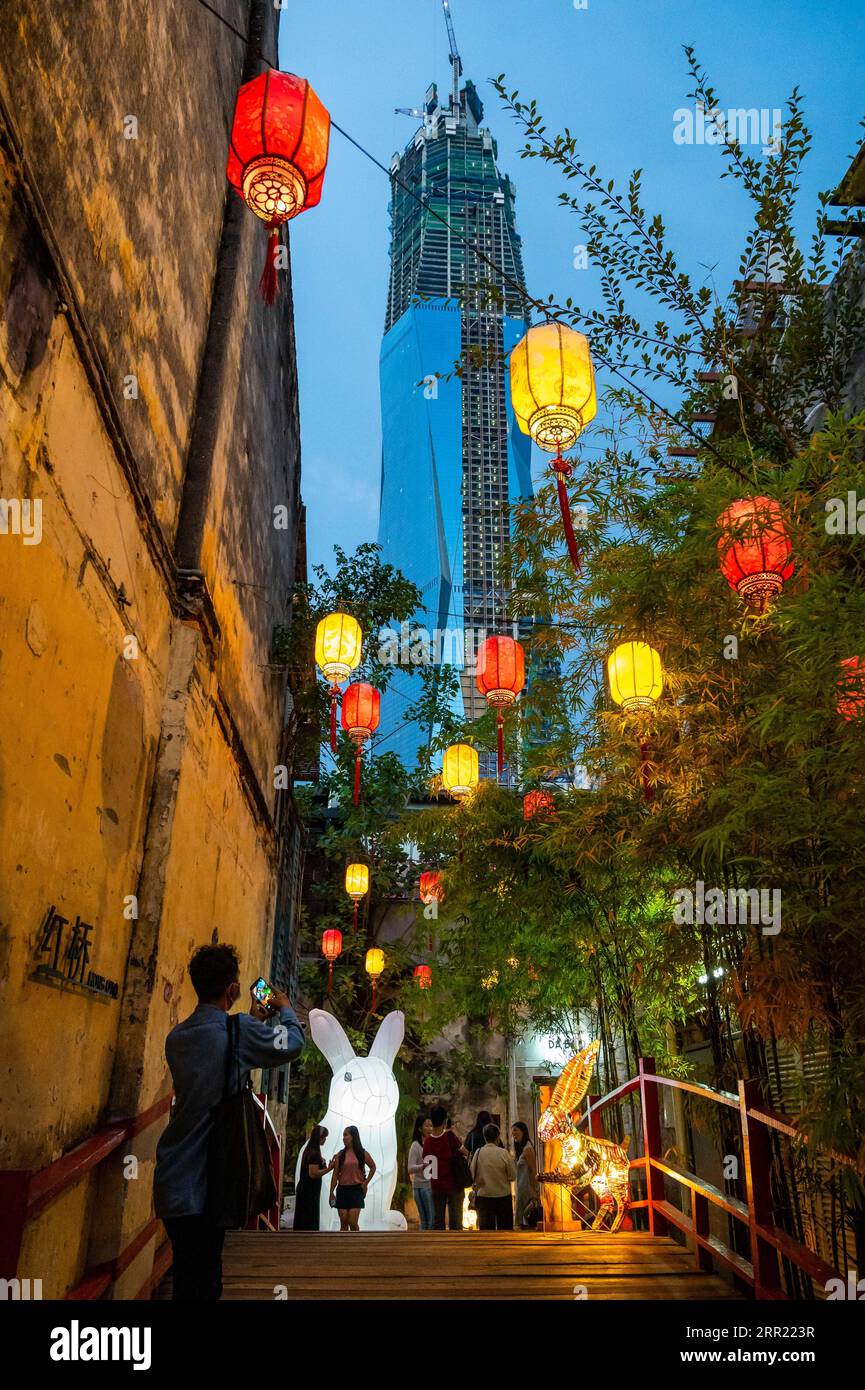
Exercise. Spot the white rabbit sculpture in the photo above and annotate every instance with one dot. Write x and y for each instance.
(363, 1092)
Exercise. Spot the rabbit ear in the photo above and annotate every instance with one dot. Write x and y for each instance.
(386, 1043)
(330, 1038)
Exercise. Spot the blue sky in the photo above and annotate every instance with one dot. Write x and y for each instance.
(614, 73)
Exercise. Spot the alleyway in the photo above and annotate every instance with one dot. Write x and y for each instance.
(467, 1265)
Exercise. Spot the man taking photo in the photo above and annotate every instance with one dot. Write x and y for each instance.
(196, 1051)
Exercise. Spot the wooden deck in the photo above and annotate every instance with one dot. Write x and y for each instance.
(461, 1265)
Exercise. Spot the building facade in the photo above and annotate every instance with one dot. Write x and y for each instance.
(453, 459)
(150, 477)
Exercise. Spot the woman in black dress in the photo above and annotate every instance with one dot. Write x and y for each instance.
(307, 1199)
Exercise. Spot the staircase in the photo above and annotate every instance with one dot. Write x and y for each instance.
(462, 1265)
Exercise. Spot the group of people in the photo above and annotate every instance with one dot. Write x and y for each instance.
(441, 1166)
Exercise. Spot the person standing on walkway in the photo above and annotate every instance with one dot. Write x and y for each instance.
(307, 1197)
(493, 1171)
(475, 1136)
(420, 1183)
(528, 1189)
(441, 1146)
(353, 1171)
(196, 1052)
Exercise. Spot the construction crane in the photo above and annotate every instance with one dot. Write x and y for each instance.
(456, 60)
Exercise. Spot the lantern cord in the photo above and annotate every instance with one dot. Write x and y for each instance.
(357, 775)
(648, 789)
(268, 285)
(500, 743)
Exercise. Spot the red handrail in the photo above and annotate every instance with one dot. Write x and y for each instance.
(768, 1241)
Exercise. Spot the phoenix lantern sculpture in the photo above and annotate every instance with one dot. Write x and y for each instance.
(586, 1161)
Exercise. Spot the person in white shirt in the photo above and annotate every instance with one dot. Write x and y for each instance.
(493, 1171)
(420, 1184)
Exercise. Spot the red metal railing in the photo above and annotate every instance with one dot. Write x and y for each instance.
(762, 1272)
(24, 1193)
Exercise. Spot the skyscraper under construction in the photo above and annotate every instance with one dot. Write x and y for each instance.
(452, 456)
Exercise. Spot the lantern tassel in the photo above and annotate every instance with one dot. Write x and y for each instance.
(648, 789)
(334, 696)
(330, 977)
(357, 776)
(268, 285)
(562, 472)
(374, 992)
(500, 740)
(355, 914)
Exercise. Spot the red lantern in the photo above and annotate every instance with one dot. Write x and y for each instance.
(423, 975)
(431, 887)
(539, 804)
(361, 711)
(501, 677)
(851, 700)
(278, 155)
(331, 947)
(754, 549)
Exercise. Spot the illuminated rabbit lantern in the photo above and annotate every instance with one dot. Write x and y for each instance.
(363, 1092)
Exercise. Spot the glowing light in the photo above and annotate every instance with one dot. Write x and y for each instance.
(636, 676)
(460, 770)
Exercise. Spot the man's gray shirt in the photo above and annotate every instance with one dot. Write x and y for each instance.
(196, 1053)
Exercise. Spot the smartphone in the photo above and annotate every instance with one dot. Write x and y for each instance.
(263, 992)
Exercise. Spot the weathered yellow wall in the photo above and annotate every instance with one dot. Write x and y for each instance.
(147, 774)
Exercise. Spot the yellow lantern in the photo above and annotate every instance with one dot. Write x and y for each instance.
(460, 769)
(636, 682)
(356, 884)
(338, 645)
(636, 676)
(374, 965)
(553, 385)
(553, 395)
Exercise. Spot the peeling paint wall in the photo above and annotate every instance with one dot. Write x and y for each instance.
(139, 721)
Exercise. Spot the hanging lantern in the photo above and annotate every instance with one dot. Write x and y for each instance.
(357, 884)
(553, 395)
(278, 155)
(851, 685)
(501, 676)
(491, 980)
(431, 887)
(423, 975)
(754, 549)
(460, 770)
(540, 804)
(636, 682)
(374, 965)
(338, 645)
(361, 711)
(331, 948)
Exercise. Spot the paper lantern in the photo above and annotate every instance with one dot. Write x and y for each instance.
(636, 682)
(851, 684)
(361, 711)
(278, 155)
(431, 887)
(338, 647)
(331, 948)
(374, 965)
(553, 395)
(540, 804)
(460, 770)
(754, 549)
(356, 884)
(423, 975)
(500, 678)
